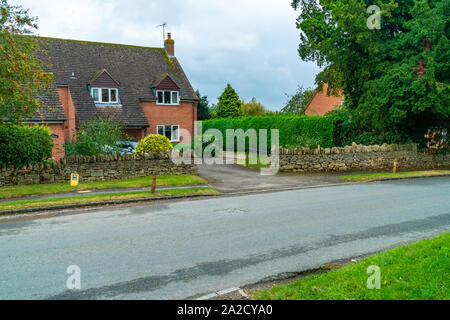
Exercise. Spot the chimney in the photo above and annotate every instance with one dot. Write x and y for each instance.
(169, 45)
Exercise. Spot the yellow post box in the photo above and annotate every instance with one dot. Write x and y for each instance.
(74, 179)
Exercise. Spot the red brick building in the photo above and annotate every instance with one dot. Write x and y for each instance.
(144, 89)
(323, 103)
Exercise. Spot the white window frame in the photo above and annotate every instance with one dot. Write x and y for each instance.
(177, 103)
(171, 131)
(100, 95)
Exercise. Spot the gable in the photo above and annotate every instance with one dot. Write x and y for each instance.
(167, 84)
(322, 103)
(103, 80)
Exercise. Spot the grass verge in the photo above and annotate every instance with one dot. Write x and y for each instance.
(43, 203)
(420, 271)
(44, 189)
(374, 176)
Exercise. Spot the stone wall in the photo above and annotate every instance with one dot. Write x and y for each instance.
(90, 169)
(359, 158)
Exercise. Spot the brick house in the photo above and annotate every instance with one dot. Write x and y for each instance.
(322, 103)
(144, 89)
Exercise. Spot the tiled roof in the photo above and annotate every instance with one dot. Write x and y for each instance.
(52, 110)
(135, 68)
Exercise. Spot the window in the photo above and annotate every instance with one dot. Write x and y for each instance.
(168, 97)
(95, 95)
(105, 95)
(170, 131)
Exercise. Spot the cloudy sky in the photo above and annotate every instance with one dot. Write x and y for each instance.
(251, 44)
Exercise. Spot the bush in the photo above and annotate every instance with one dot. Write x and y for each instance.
(347, 132)
(94, 138)
(154, 143)
(293, 129)
(23, 145)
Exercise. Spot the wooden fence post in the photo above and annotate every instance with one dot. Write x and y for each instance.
(154, 183)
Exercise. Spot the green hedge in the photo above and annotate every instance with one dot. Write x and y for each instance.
(23, 145)
(295, 131)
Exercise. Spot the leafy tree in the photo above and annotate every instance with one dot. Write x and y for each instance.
(298, 102)
(253, 108)
(395, 78)
(229, 105)
(22, 73)
(203, 110)
(213, 110)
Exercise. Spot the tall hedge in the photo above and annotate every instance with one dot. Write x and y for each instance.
(295, 131)
(23, 145)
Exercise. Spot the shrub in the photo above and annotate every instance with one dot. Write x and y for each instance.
(154, 143)
(23, 145)
(293, 128)
(94, 138)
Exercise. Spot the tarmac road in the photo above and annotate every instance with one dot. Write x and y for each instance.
(191, 248)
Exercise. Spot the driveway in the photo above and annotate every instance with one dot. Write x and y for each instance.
(235, 178)
(176, 250)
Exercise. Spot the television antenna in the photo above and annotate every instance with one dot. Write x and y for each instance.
(163, 25)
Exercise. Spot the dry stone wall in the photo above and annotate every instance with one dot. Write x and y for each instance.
(90, 169)
(359, 158)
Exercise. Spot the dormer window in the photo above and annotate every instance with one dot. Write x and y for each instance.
(104, 89)
(105, 95)
(165, 97)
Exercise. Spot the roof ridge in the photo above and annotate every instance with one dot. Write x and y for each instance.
(98, 42)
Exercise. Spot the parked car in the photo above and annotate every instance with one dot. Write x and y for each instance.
(127, 147)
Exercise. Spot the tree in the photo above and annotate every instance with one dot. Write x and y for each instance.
(203, 110)
(22, 74)
(395, 78)
(229, 105)
(298, 102)
(253, 108)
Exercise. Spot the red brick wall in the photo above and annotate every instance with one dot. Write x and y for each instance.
(58, 143)
(135, 134)
(181, 115)
(69, 110)
(322, 103)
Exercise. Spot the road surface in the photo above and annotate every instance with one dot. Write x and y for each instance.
(190, 248)
(232, 178)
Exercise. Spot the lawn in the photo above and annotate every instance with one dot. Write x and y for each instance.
(412, 272)
(263, 161)
(49, 202)
(374, 176)
(43, 189)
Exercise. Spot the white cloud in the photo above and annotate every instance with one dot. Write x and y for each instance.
(251, 44)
